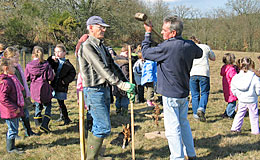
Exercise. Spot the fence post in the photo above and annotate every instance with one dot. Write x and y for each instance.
(24, 59)
(49, 51)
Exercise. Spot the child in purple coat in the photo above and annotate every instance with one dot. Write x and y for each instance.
(228, 71)
(11, 103)
(13, 54)
(39, 72)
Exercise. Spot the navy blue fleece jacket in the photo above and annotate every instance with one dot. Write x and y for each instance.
(174, 59)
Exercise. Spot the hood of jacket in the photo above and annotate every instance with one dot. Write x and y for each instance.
(243, 80)
(37, 68)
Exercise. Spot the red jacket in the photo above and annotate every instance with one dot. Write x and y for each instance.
(8, 98)
(228, 72)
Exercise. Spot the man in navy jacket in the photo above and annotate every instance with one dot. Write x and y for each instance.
(174, 59)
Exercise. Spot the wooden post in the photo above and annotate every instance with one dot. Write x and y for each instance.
(49, 52)
(131, 103)
(24, 59)
(82, 125)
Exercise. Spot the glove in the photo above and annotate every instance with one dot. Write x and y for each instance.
(131, 97)
(127, 86)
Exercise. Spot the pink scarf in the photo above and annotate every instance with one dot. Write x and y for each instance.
(19, 88)
(25, 85)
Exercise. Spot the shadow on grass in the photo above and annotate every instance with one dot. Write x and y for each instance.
(217, 92)
(218, 152)
(59, 142)
(156, 153)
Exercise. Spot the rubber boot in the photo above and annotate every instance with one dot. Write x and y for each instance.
(61, 116)
(65, 115)
(124, 112)
(38, 121)
(27, 127)
(10, 146)
(93, 146)
(45, 123)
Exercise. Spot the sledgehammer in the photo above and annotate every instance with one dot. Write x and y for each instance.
(143, 17)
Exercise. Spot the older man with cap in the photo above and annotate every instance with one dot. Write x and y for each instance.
(99, 71)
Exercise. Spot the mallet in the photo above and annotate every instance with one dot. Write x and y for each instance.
(143, 17)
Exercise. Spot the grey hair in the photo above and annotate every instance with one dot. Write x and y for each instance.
(176, 24)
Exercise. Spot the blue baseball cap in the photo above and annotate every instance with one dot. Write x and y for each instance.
(96, 20)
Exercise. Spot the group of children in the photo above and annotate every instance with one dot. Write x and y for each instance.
(144, 75)
(241, 82)
(15, 96)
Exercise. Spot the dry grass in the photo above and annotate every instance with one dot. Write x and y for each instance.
(213, 139)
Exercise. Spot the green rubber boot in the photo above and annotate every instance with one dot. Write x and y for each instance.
(93, 146)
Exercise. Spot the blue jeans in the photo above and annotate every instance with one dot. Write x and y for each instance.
(13, 126)
(177, 127)
(39, 108)
(199, 87)
(122, 102)
(98, 101)
(231, 107)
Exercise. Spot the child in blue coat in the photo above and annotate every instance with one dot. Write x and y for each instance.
(149, 77)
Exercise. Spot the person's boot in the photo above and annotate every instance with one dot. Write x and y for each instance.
(61, 116)
(65, 115)
(27, 127)
(124, 112)
(93, 146)
(10, 146)
(118, 111)
(45, 123)
(38, 121)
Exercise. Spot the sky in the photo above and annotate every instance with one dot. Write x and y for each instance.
(203, 5)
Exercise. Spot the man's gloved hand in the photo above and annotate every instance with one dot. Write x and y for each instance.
(127, 86)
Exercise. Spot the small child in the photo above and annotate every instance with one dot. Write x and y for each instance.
(13, 54)
(149, 77)
(11, 103)
(137, 70)
(64, 75)
(228, 71)
(246, 86)
(122, 100)
(39, 72)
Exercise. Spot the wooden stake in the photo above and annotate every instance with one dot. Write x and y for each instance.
(24, 59)
(132, 104)
(82, 125)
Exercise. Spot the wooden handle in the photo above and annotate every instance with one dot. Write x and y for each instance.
(82, 125)
(132, 104)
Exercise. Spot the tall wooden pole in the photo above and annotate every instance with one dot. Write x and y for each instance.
(82, 125)
(131, 103)
(24, 59)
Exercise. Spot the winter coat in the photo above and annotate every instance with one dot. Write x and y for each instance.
(149, 72)
(228, 72)
(66, 75)
(8, 98)
(40, 74)
(123, 64)
(137, 70)
(246, 86)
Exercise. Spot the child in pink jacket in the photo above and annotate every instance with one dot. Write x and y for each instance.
(11, 102)
(228, 71)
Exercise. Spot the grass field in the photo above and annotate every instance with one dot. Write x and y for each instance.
(213, 139)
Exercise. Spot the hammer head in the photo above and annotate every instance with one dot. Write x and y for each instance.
(141, 17)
